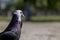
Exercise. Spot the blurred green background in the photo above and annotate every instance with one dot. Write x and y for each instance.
(34, 10)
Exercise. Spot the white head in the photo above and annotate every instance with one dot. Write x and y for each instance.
(19, 13)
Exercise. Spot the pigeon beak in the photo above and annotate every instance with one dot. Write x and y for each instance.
(23, 15)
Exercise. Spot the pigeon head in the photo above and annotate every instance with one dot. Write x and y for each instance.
(19, 14)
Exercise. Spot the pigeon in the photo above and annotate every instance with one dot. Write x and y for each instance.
(13, 31)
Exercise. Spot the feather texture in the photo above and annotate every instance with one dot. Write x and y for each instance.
(13, 31)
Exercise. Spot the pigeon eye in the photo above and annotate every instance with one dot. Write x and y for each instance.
(21, 12)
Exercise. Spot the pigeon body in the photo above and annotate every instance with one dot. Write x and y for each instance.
(13, 31)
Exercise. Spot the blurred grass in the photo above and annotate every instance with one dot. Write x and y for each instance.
(36, 18)
(45, 19)
(4, 18)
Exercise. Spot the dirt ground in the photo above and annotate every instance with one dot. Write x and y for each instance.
(37, 31)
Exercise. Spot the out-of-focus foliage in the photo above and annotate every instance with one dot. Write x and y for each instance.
(48, 4)
(40, 4)
(54, 4)
(19, 4)
(16, 5)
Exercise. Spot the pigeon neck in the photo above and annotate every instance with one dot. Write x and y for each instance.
(15, 19)
(19, 18)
